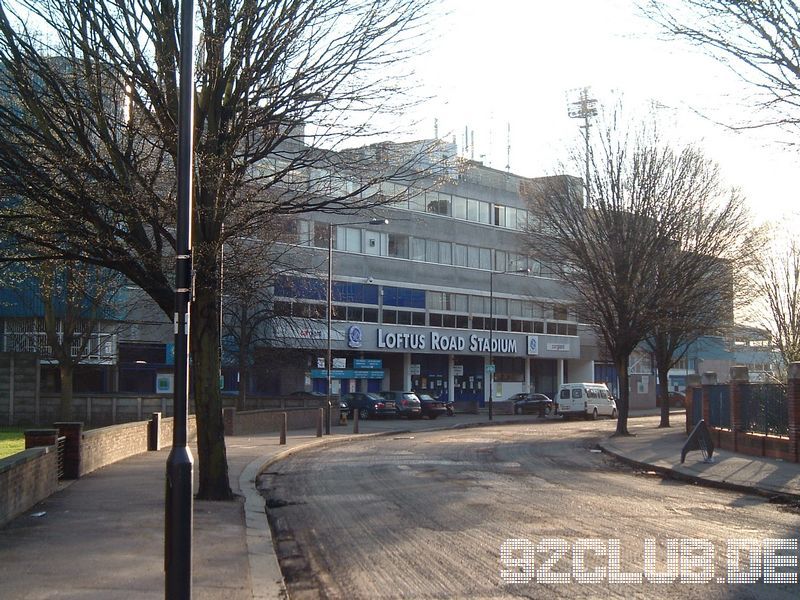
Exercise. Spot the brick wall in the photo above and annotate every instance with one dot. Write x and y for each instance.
(26, 478)
(268, 421)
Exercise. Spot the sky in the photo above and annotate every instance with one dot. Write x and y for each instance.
(516, 64)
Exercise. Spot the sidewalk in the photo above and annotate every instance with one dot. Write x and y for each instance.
(101, 537)
(660, 450)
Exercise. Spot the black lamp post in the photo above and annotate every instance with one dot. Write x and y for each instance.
(178, 502)
(490, 370)
(329, 307)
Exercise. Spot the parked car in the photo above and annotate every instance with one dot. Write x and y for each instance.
(368, 405)
(676, 399)
(431, 407)
(536, 404)
(406, 404)
(588, 400)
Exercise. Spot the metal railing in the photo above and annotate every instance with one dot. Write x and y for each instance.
(764, 409)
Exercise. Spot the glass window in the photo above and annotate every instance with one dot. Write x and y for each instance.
(500, 306)
(515, 308)
(371, 315)
(459, 255)
(348, 239)
(462, 321)
(389, 316)
(416, 200)
(418, 318)
(304, 232)
(417, 249)
(483, 213)
(449, 321)
(460, 302)
(321, 231)
(338, 313)
(500, 258)
(398, 245)
(485, 258)
(499, 215)
(472, 210)
(431, 251)
(445, 253)
(473, 257)
(355, 313)
(434, 300)
(538, 327)
(435, 319)
(479, 305)
(459, 207)
(403, 317)
(560, 312)
(437, 203)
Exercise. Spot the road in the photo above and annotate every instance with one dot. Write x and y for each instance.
(425, 514)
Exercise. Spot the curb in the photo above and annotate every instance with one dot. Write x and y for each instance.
(770, 494)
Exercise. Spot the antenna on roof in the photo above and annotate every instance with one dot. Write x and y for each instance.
(508, 147)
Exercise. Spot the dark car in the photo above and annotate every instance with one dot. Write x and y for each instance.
(676, 399)
(537, 404)
(368, 405)
(431, 407)
(406, 404)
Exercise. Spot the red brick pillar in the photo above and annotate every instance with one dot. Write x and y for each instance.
(73, 432)
(793, 404)
(739, 378)
(709, 378)
(36, 438)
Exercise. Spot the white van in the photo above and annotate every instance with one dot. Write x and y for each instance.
(588, 400)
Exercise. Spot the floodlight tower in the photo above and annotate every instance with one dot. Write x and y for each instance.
(583, 108)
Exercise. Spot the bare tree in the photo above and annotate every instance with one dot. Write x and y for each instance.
(76, 312)
(88, 139)
(775, 283)
(757, 40)
(621, 252)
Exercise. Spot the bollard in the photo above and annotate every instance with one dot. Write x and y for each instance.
(154, 432)
(320, 417)
(284, 418)
(355, 421)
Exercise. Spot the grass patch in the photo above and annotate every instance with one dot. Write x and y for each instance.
(12, 440)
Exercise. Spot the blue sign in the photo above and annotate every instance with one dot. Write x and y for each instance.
(367, 363)
(347, 374)
(170, 355)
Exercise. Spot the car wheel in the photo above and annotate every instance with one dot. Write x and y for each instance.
(363, 413)
(594, 414)
(517, 410)
(432, 417)
(547, 410)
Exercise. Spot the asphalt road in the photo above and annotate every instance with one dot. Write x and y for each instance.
(433, 515)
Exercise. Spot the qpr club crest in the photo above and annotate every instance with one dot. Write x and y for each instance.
(533, 345)
(354, 336)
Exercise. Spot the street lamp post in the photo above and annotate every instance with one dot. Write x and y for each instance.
(329, 308)
(490, 370)
(178, 501)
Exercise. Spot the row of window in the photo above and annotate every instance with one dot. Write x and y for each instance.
(368, 293)
(458, 207)
(397, 245)
(391, 316)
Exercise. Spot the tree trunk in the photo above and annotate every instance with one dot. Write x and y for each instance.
(66, 372)
(663, 377)
(624, 396)
(204, 340)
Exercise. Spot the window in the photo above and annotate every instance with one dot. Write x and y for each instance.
(459, 207)
(472, 210)
(321, 231)
(560, 312)
(348, 239)
(371, 315)
(389, 316)
(434, 300)
(437, 203)
(500, 258)
(459, 255)
(445, 253)
(483, 213)
(485, 261)
(398, 245)
(435, 319)
(417, 249)
(416, 201)
(431, 251)
(499, 215)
